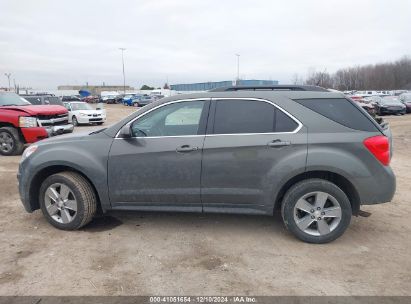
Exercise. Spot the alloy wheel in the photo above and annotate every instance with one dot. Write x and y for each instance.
(60, 202)
(6, 142)
(317, 213)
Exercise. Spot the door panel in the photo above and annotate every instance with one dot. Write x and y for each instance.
(152, 171)
(243, 171)
(160, 168)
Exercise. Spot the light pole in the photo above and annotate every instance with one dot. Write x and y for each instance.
(238, 68)
(124, 75)
(8, 77)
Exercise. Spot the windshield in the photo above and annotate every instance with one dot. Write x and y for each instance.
(80, 106)
(12, 99)
(406, 97)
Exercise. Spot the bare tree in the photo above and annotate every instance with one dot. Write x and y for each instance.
(382, 76)
(297, 79)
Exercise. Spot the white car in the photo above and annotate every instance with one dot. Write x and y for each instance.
(83, 113)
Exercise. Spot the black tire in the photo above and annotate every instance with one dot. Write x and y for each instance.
(305, 187)
(14, 145)
(135, 104)
(83, 193)
(74, 121)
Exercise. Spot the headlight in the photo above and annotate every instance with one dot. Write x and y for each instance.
(29, 151)
(27, 122)
(83, 114)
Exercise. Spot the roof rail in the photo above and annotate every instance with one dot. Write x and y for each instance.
(271, 88)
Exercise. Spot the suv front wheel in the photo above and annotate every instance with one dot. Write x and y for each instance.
(316, 211)
(67, 200)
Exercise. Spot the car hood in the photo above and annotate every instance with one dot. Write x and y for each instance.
(37, 110)
(72, 138)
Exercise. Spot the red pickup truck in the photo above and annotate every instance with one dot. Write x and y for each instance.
(22, 123)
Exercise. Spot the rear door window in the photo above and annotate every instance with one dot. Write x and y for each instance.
(341, 111)
(250, 116)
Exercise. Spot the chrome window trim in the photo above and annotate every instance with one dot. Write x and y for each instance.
(300, 125)
(155, 108)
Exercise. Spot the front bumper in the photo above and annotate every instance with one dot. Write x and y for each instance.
(90, 119)
(23, 191)
(392, 111)
(57, 130)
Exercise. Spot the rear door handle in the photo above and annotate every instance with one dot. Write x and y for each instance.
(278, 143)
(186, 149)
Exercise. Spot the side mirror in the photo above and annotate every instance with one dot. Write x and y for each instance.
(125, 132)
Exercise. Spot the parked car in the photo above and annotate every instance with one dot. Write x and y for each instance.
(22, 123)
(82, 113)
(405, 98)
(365, 104)
(249, 151)
(390, 105)
(142, 101)
(129, 98)
(110, 98)
(70, 98)
(43, 100)
(90, 99)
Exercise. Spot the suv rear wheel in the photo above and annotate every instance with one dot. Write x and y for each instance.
(316, 211)
(67, 200)
(10, 142)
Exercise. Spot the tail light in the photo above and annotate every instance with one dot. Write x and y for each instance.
(379, 146)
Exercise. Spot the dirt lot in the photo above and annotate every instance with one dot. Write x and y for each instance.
(131, 253)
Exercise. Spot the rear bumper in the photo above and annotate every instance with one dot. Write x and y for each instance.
(380, 189)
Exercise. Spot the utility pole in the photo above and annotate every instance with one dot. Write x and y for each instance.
(124, 75)
(238, 69)
(8, 77)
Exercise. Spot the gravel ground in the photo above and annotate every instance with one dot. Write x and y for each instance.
(133, 253)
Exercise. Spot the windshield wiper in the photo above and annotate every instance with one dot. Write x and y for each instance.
(9, 105)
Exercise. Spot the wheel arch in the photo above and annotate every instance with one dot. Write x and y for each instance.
(10, 125)
(39, 177)
(341, 181)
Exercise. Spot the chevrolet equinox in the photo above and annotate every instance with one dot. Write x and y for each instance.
(313, 155)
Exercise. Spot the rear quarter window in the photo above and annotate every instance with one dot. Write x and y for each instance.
(341, 111)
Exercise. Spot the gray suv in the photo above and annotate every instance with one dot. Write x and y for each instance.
(313, 155)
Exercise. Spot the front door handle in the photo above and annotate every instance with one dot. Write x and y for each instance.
(186, 149)
(278, 143)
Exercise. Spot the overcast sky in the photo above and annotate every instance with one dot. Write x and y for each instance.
(44, 43)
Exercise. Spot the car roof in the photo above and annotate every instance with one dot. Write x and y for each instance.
(257, 94)
(269, 88)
